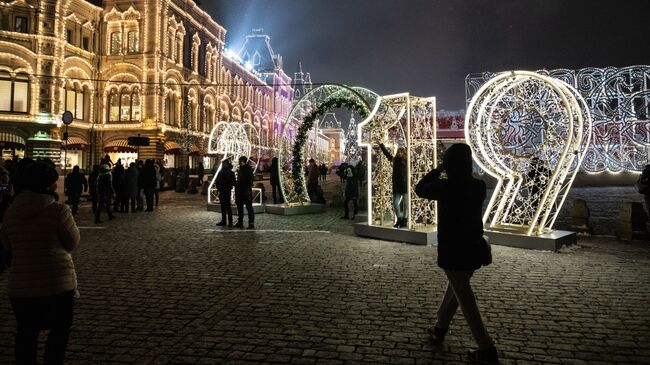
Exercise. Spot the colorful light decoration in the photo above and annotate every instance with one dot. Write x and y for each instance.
(232, 140)
(529, 131)
(618, 100)
(405, 121)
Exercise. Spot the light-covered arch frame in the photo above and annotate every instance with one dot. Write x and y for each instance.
(400, 120)
(291, 153)
(231, 140)
(529, 131)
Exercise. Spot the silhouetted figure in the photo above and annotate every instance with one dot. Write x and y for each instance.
(75, 184)
(40, 233)
(131, 186)
(200, 170)
(361, 173)
(313, 190)
(244, 193)
(6, 197)
(104, 193)
(400, 184)
(225, 182)
(351, 192)
(275, 181)
(139, 198)
(92, 186)
(460, 241)
(159, 182)
(323, 172)
(341, 171)
(643, 186)
(149, 180)
(118, 186)
(107, 161)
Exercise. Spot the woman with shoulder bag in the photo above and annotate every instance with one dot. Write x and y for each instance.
(461, 246)
(40, 233)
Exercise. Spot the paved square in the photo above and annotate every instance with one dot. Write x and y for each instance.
(170, 287)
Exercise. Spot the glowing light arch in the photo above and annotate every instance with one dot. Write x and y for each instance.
(291, 154)
(232, 140)
(530, 132)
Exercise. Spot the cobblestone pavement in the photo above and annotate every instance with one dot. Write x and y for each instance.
(168, 287)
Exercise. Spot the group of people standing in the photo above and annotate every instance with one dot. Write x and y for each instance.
(242, 182)
(117, 189)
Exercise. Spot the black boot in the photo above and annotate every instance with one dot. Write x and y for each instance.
(487, 356)
(239, 224)
(222, 223)
(397, 224)
(437, 335)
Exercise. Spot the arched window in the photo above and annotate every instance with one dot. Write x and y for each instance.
(133, 44)
(179, 48)
(116, 43)
(170, 109)
(171, 43)
(75, 102)
(124, 105)
(14, 93)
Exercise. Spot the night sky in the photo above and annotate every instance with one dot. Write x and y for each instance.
(427, 47)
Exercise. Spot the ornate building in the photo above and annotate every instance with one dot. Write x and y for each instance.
(127, 68)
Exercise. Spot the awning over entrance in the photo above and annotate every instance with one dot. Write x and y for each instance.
(10, 140)
(75, 143)
(196, 151)
(119, 145)
(172, 148)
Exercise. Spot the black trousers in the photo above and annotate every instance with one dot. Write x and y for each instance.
(103, 203)
(33, 315)
(277, 194)
(226, 208)
(249, 208)
(74, 202)
(355, 204)
(149, 193)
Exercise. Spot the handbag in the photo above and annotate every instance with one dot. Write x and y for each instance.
(485, 251)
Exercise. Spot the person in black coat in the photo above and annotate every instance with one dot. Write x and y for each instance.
(149, 181)
(118, 186)
(244, 193)
(200, 170)
(275, 181)
(225, 182)
(460, 236)
(75, 184)
(400, 184)
(92, 186)
(104, 191)
(351, 192)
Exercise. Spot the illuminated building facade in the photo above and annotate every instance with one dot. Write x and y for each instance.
(158, 69)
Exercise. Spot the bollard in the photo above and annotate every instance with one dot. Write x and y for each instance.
(580, 217)
(631, 221)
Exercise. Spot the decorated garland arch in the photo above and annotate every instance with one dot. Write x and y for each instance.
(305, 112)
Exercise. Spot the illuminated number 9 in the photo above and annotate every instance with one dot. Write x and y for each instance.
(529, 131)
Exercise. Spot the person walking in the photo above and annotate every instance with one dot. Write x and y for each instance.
(92, 186)
(400, 184)
(200, 171)
(225, 182)
(118, 186)
(461, 247)
(75, 184)
(149, 180)
(131, 186)
(313, 190)
(351, 192)
(244, 193)
(275, 181)
(104, 193)
(40, 233)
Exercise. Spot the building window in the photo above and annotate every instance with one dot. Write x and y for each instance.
(14, 93)
(170, 110)
(74, 102)
(68, 35)
(124, 106)
(116, 43)
(132, 39)
(85, 43)
(20, 24)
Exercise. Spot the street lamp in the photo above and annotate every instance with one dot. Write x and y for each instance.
(67, 120)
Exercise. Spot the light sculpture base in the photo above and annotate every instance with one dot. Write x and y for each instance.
(257, 208)
(552, 241)
(361, 217)
(429, 237)
(283, 209)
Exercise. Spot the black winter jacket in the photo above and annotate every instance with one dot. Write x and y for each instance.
(400, 172)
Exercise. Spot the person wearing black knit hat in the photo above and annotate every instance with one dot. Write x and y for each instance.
(40, 233)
